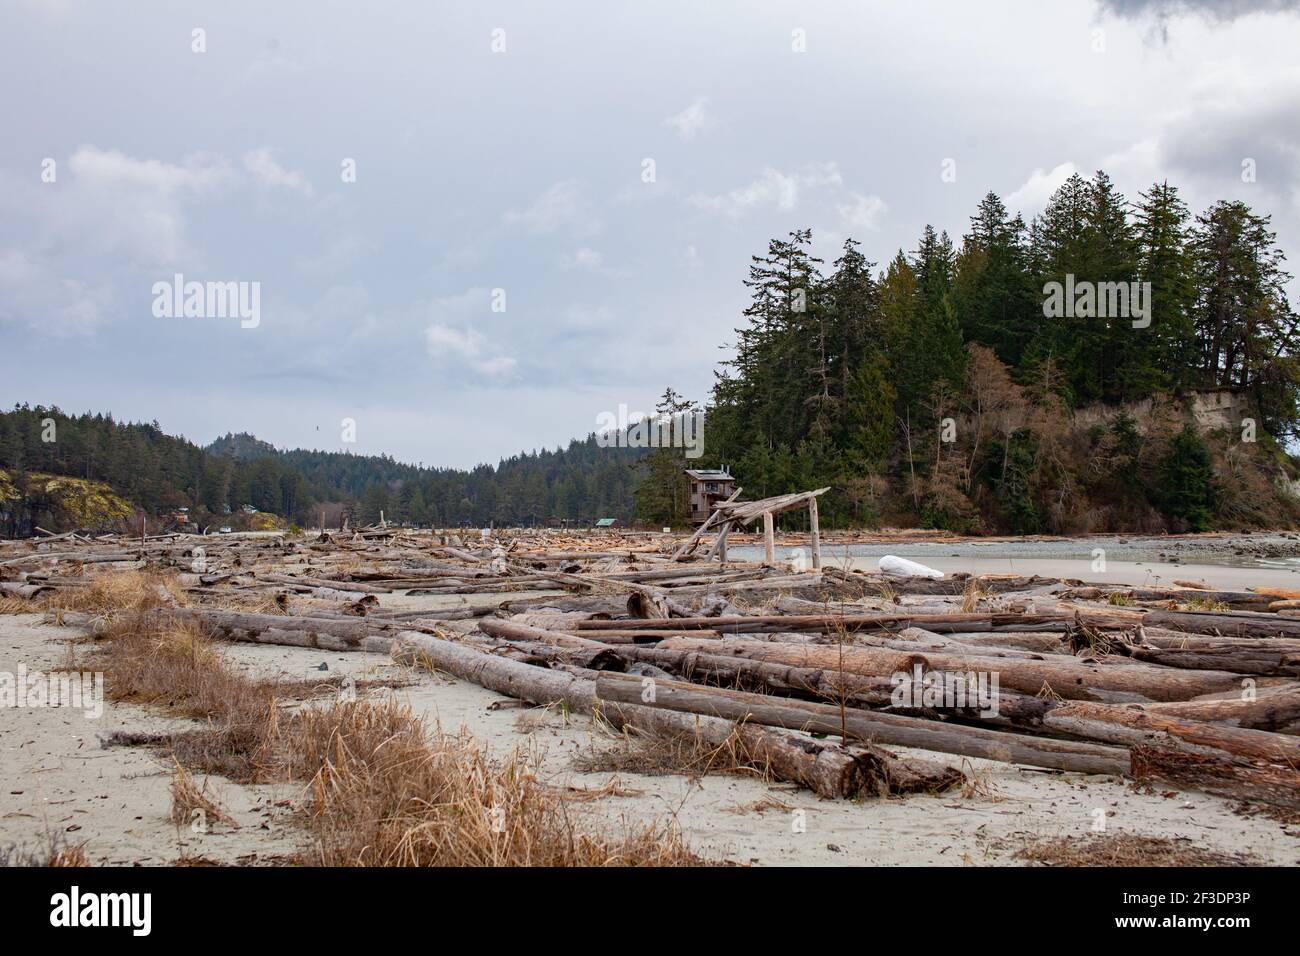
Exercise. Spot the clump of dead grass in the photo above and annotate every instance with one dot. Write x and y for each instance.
(52, 850)
(978, 785)
(1203, 604)
(258, 602)
(190, 798)
(972, 596)
(761, 806)
(383, 792)
(1086, 641)
(1125, 849)
(122, 592)
(682, 754)
(13, 605)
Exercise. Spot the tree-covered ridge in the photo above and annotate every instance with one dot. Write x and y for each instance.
(939, 390)
(158, 473)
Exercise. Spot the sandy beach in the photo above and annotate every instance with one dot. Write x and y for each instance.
(60, 778)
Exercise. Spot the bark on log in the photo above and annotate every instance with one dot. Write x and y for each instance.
(939, 623)
(1278, 786)
(1228, 624)
(1273, 709)
(1138, 726)
(1074, 680)
(821, 685)
(825, 768)
(873, 726)
(27, 592)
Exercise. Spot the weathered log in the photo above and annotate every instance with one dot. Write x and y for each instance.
(1277, 786)
(1276, 709)
(939, 623)
(1236, 660)
(647, 605)
(326, 583)
(1138, 726)
(500, 627)
(816, 683)
(25, 591)
(1226, 623)
(870, 726)
(827, 769)
(1071, 679)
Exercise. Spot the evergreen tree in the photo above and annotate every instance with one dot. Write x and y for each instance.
(1186, 486)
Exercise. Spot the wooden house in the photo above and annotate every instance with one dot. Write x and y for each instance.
(708, 487)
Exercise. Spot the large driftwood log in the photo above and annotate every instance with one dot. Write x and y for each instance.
(1226, 623)
(1278, 786)
(1138, 726)
(1272, 708)
(1071, 679)
(889, 729)
(26, 591)
(816, 683)
(825, 768)
(939, 623)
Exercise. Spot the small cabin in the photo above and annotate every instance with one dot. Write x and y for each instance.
(708, 487)
(606, 522)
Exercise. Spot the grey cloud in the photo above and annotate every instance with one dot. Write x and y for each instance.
(1210, 9)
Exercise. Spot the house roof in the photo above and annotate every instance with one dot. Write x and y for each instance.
(710, 474)
(605, 522)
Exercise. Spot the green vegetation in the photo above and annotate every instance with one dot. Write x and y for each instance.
(159, 473)
(937, 391)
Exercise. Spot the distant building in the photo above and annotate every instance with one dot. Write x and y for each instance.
(606, 522)
(708, 486)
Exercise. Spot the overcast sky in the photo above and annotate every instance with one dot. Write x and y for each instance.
(525, 171)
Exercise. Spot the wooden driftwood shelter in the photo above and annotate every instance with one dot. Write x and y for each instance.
(729, 513)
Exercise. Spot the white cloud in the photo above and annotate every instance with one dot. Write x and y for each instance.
(261, 163)
(862, 212)
(452, 341)
(772, 188)
(109, 167)
(1031, 198)
(583, 258)
(466, 346)
(118, 205)
(691, 120)
(561, 206)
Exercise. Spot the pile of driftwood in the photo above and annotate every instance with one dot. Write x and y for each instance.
(813, 674)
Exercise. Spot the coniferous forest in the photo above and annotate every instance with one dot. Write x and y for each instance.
(934, 390)
(930, 389)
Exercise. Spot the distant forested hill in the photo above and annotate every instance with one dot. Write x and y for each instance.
(158, 473)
